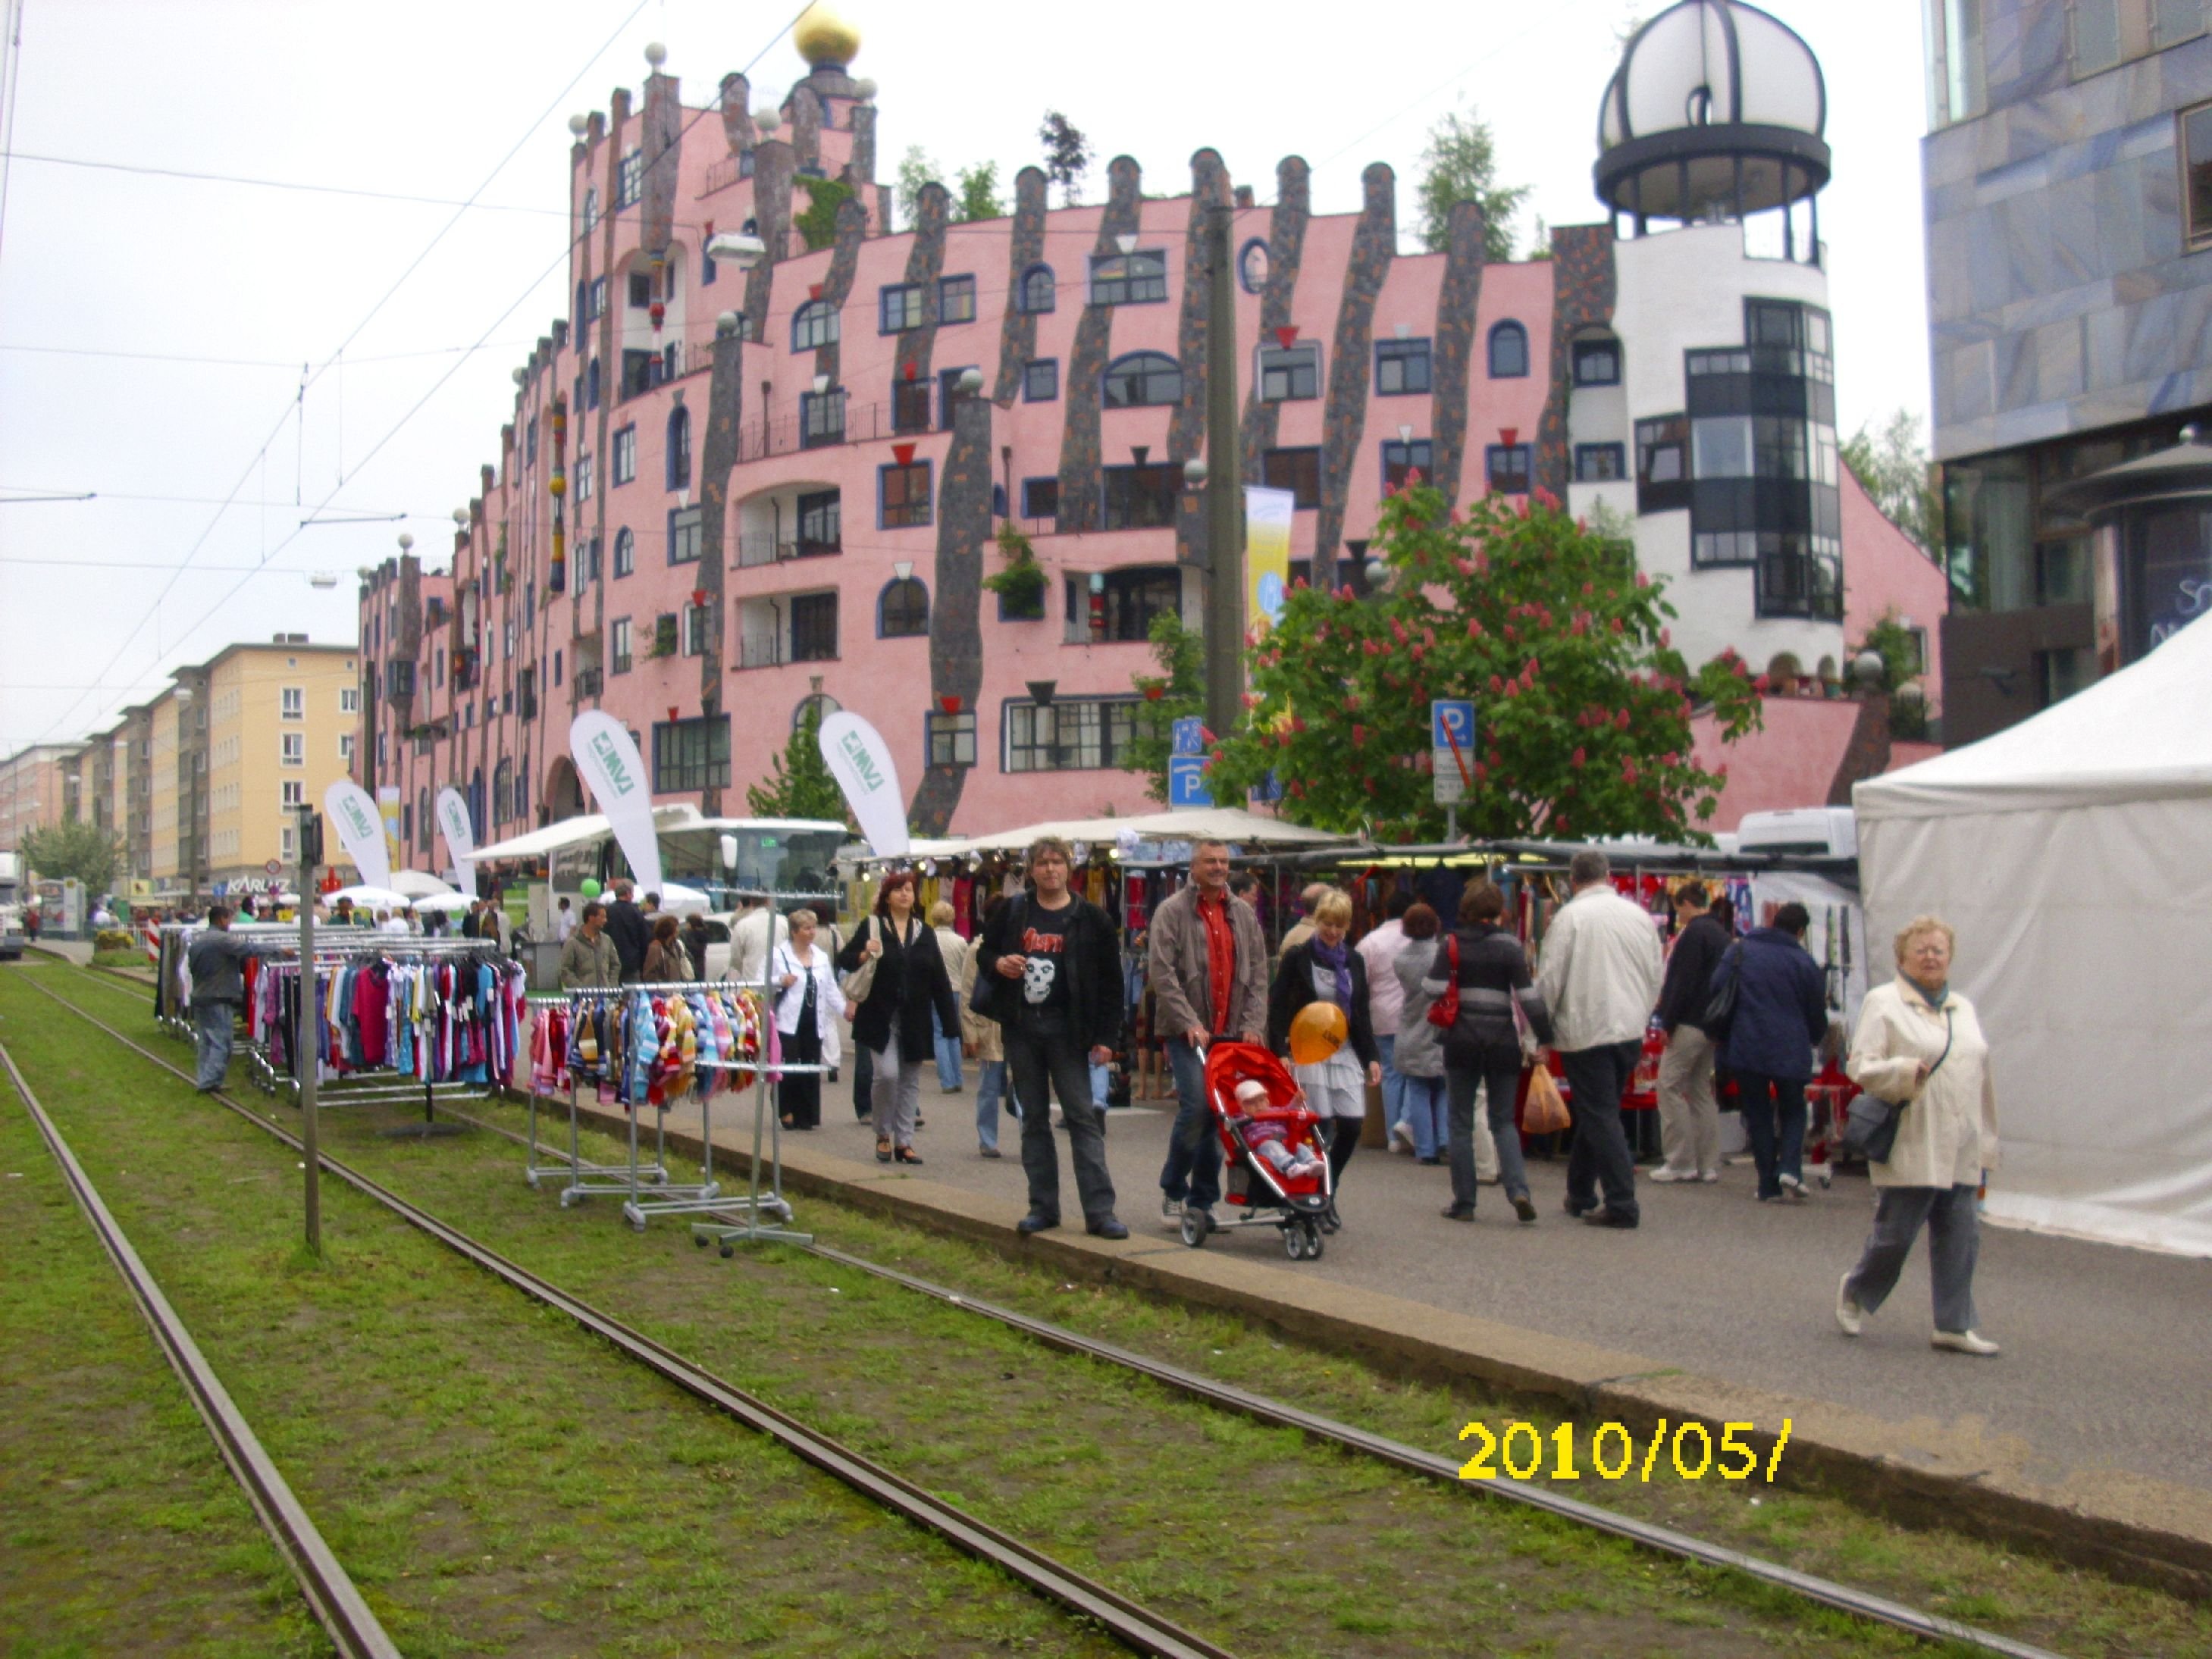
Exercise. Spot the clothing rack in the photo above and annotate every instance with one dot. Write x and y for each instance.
(383, 1085)
(583, 1180)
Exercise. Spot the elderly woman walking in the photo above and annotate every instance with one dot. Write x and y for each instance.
(1920, 1047)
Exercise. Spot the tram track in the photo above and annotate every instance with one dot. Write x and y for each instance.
(1128, 1622)
(1650, 1536)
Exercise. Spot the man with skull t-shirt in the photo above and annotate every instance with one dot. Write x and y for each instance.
(1055, 978)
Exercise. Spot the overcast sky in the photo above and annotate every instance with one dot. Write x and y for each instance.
(426, 99)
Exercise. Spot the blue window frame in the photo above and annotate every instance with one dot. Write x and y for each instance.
(1597, 362)
(625, 553)
(592, 384)
(1290, 373)
(1510, 466)
(1600, 463)
(596, 295)
(1401, 461)
(1401, 367)
(956, 299)
(1039, 291)
(1252, 266)
(813, 324)
(902, 609)
(1509, 352)
(899, 308)
(679, 452)
(1041, 498)
(686, 534)
(1143, 379)
(630, 179)
(1127, 279)
(1041, 380)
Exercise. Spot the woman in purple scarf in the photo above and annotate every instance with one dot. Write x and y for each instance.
(1326, 968)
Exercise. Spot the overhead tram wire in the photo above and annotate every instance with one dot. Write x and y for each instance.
(149, 171)
(294, 402)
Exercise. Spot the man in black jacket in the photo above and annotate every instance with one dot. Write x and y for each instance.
(1689, 1115)
(1055, 974)
(626, 926)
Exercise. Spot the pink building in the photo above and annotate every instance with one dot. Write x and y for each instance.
(724, 493)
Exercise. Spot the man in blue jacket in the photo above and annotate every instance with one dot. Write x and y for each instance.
(1780, 1016)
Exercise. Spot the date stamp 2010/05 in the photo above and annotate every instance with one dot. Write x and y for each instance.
(1690, 1453)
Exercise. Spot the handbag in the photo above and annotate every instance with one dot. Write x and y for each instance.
(1545, 1112)
(857, 984)
(983, 1000)
(1870, 1123)
(1720, 999)
(1444, 1013)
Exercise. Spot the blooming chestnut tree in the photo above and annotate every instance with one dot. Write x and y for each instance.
(1582, 706)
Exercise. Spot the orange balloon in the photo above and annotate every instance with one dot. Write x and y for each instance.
(1317, 1032)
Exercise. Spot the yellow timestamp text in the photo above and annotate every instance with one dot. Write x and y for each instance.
(1690, 1452)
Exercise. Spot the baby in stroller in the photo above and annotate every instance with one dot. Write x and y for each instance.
(1277, 1172)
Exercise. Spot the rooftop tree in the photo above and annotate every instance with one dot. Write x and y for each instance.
(1582, 706)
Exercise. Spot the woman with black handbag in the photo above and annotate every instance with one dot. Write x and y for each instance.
(1480, 978)
(905, 980)
(1919, 1051)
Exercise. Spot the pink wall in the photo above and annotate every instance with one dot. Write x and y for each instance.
(1885, 571)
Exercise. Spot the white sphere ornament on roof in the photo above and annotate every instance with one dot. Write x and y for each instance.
(655, 54)
(1715, 106)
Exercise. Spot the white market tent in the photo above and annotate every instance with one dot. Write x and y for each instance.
(2072, 852)
(1229, 823)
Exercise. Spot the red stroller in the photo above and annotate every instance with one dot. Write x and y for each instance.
(1276, 1168)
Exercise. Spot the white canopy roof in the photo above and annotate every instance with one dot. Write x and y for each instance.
(2139, 734)
(1229, 823)
(586, 826)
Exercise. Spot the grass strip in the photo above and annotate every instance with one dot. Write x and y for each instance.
(494, 1480)
(123, 1530)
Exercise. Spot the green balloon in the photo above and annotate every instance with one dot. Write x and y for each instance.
(589, 887)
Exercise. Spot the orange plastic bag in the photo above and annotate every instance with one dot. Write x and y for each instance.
(1545, 1112)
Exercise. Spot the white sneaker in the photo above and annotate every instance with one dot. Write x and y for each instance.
(1971, 1342)
(1848, 1311)
(1710, 1176)
(1401, 1137)
(1668, 1172)
(1793, 1188)
(1171, 1211)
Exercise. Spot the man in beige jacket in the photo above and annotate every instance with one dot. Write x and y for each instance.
(1208, 966)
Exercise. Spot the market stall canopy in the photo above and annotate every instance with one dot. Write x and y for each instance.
(2073, 854)
(416, 885)
(373, 898)
(451, 903)
(678, 900)
(573, 832)
(1229, 823)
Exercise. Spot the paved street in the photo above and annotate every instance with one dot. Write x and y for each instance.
(2107, 1350)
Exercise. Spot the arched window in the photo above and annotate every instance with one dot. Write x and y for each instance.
(522, 794)
(503, 792)
(821, 702)
(902, 609)
(625, 552)
(1040, 292)
(1142, 378)
(591, 209)
(1509, 352)
(679, 449)
(477, 805)
(1252, 266)
(583, 305)
(814, 324)
(592, 384)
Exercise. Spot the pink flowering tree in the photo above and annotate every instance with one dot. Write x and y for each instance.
(1582, 705)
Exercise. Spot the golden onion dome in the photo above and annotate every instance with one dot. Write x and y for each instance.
(825, 40)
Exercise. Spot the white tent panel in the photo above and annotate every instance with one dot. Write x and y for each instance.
(2073, 854)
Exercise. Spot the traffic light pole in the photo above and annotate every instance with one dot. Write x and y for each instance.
(1224, 529)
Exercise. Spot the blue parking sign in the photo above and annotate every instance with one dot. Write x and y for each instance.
(1187, 784)
(1451, 723)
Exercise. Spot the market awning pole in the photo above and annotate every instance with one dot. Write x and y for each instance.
(304, 1029)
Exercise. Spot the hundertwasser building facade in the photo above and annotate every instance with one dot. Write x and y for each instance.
(778, 480)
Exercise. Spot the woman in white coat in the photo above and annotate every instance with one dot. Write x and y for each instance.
(1920, 1047)
(807, 1005)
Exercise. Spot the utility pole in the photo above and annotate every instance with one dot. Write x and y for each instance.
(303, 1047)
(1225, 495)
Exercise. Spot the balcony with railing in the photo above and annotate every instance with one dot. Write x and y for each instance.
(818, 427)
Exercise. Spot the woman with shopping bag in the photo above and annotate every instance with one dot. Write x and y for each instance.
(1480, 980)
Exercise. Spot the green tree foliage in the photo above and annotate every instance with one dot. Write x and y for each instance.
(1893, 466)
(1582, 706)
(799, 786)
(1461, 165)
(916, 169)
(977, 196)
(1067, 156)
(1178, 689)
(1899, 650)
(74, 849)
(1021, 583)
(818, 224)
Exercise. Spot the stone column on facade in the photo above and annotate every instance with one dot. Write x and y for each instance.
(738, 115)
(1017, 329)
(924, 263)
(1452, 351)
(1583, 286)
(838, 282)
(773, 167)
(1287, 243)
(862, 163)
(718, 455)
(1082, 387)
(603, 346)
(955, 610)
(805, 109)
(663, 142)
(1209, 188)
(1344, 418)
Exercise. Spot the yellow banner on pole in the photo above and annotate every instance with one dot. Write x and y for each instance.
(1267, 516)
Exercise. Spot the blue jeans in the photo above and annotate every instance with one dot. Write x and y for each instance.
(212, 1023)
(1101, 1083)
(1393, 1086)
(948, 1053)
(990, 1084)
(1426, 1101)
(1192, 1171)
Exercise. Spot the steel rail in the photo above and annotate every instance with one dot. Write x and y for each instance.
(329, 1592)
(1646, 1535)
(1128, 1622)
